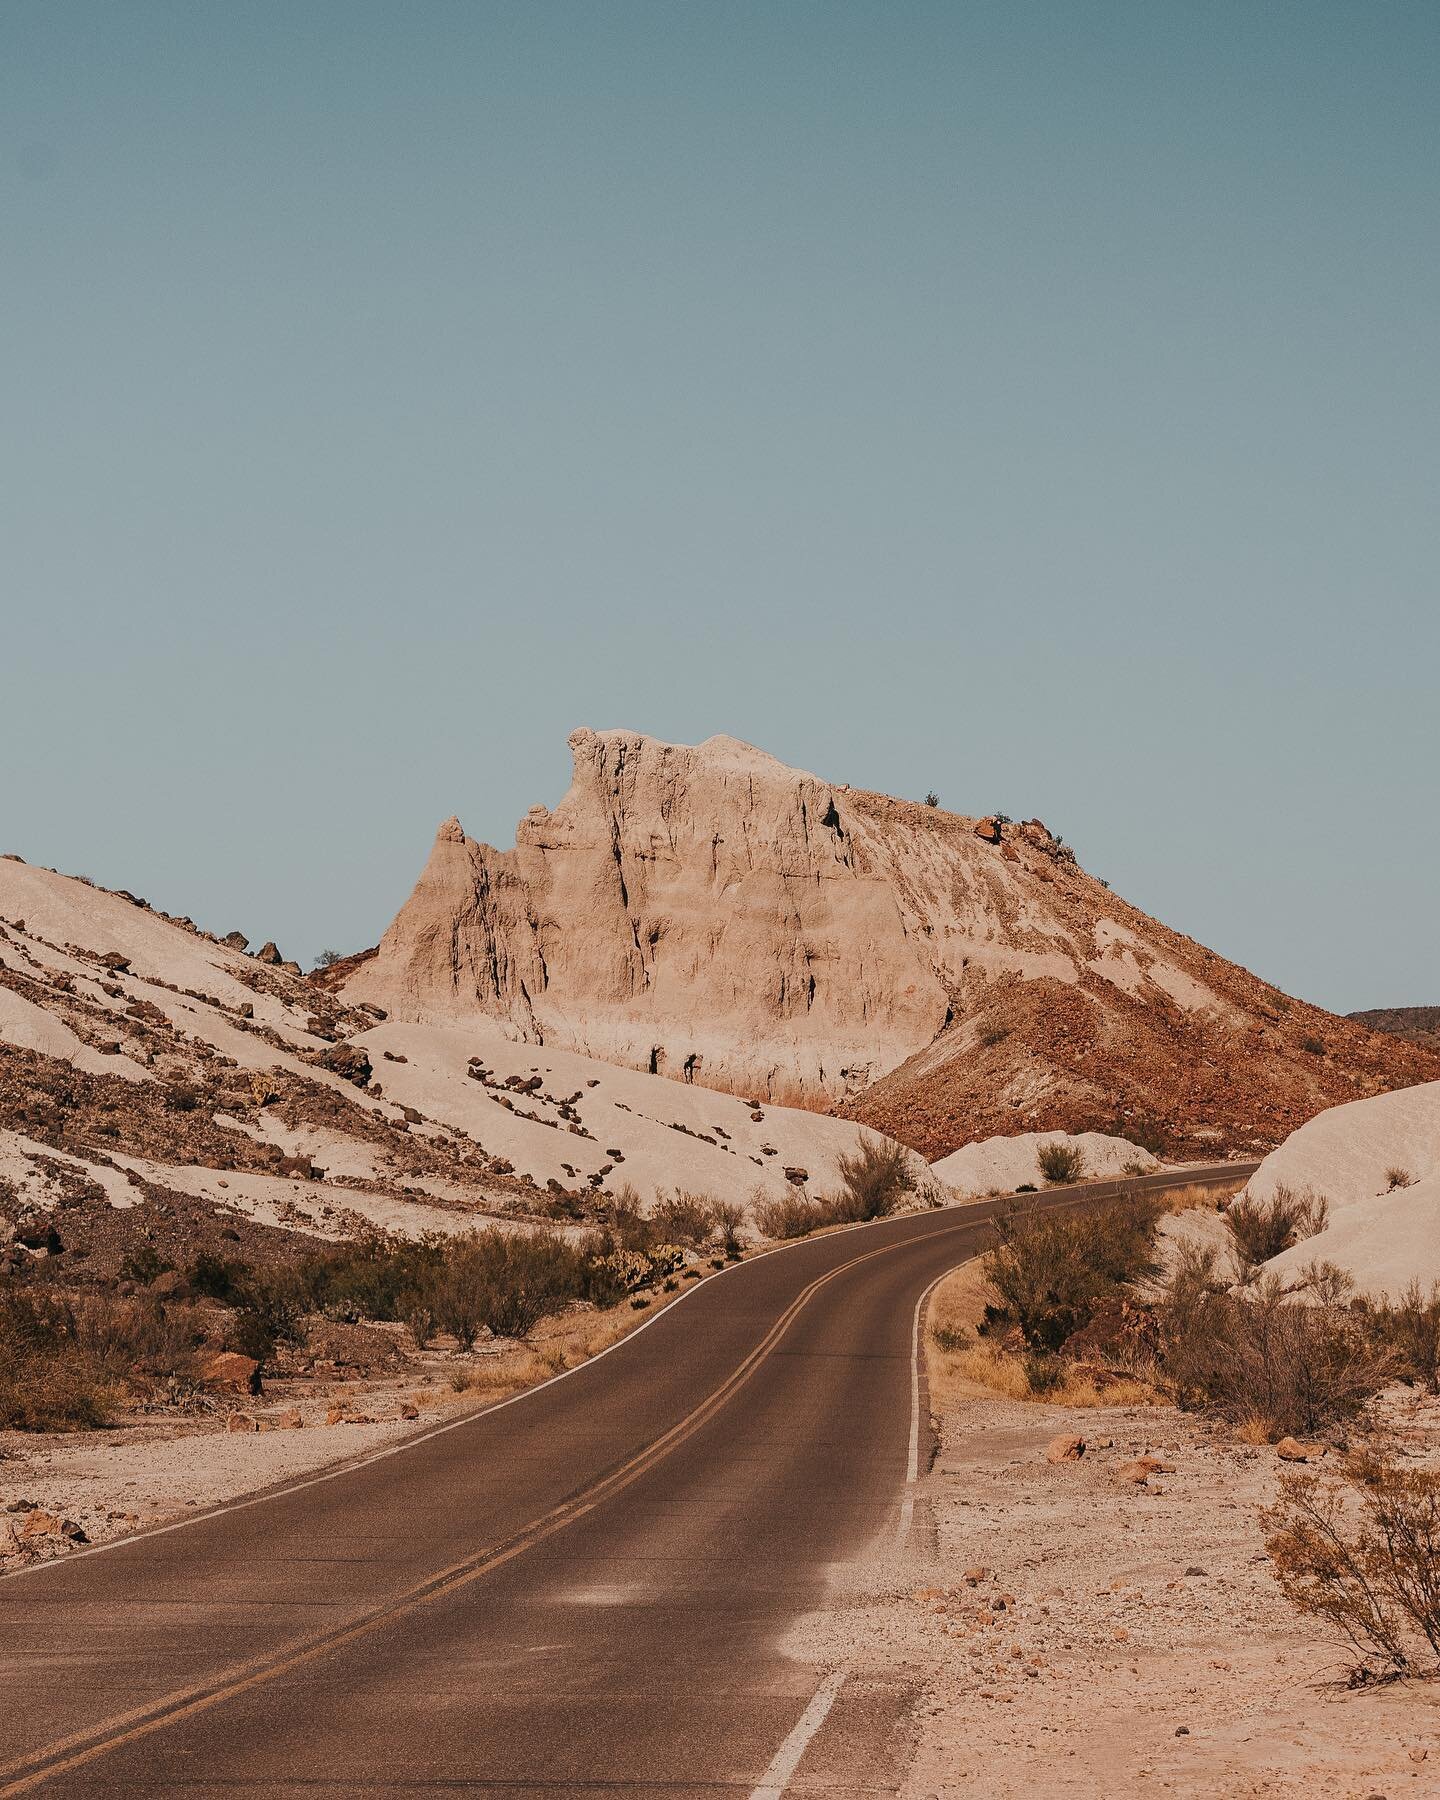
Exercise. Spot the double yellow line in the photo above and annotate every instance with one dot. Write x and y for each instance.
(26, 1773)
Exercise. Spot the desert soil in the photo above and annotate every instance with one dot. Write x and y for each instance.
(1068, 1633)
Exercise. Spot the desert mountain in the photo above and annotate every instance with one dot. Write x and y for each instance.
(145, 1062)
(1420, 1024)
(712, 915)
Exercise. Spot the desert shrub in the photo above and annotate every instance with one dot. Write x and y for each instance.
(1397, 1178)
(142, 1263)
(991, 1035)
(1362, 1553)
(372, 1276)
(507, 1281)
(48, 1380)
(874, 1179)
(1313, 1046)
(623, 1217)
(789, 1216)
(950, 1338)
(1407, 1331)
(1285, 1366)
(1061, 1164)
(1263, 1228)
(1051, 1271)
(1044, 1374)
(932, 799)
(67, 1365)
(268, 1310)
(729, 1217)
(684, 1218)
(216, 1277)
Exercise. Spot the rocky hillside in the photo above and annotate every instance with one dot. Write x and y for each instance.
(709, 914)
(147, 1063)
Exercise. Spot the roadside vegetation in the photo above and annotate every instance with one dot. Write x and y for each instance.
(76, 1358)
(873, 1181)
(1361, 1552)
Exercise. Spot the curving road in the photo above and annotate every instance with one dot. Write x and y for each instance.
(579, 1591)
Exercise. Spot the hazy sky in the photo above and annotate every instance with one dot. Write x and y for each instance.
(1033, 402)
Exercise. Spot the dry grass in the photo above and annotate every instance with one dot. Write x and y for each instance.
(1211, 1199)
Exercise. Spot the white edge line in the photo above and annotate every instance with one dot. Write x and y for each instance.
(787, 1758)
(336, 1470)
(912, 1466)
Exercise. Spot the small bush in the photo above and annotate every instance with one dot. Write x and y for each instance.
(876, 1177)
(950, 1338)
(142, 1264)
(1263, 1228)
(932, 799)
(729, 1217)
(1284, 1366)
(789, 1216)
(1051, 1271)
(1363, 1554)
(684, 1218)
(1313, 1046)
(1398, 1178)
(1407, 1332)
(1061, 1164)
(991, 1035)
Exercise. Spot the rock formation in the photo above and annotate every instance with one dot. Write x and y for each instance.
(709, 914)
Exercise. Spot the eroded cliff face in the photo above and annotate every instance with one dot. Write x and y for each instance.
(700, 912)
(710, 914)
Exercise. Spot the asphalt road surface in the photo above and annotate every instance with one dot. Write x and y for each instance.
(580, 1591)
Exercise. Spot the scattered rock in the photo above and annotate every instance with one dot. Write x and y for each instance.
(240, 1422)
(1064, 1449)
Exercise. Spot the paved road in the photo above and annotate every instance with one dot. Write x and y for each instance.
(582, 1591)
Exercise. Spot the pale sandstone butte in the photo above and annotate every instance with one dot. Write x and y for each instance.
(710, 914)
(705, 913)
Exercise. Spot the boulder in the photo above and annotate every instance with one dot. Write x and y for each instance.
(1290, 1449)
(240, 1422)
(267, 953)
(348, 1061)
(1064, 1449)
(231, 1373)
(988, 830)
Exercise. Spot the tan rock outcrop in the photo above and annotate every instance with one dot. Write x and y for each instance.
(703, 913)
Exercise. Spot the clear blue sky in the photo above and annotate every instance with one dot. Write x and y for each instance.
(1033, 402)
